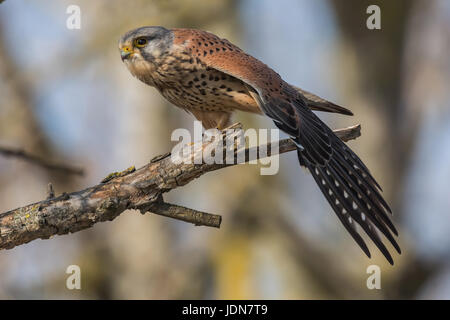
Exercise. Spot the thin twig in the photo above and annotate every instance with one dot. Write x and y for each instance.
(50, 191)
(22, 154)
(173, 211)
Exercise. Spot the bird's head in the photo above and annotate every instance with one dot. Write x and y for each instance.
(146, 43)
(141, 48)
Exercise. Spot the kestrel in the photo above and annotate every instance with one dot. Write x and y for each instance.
(211, 78)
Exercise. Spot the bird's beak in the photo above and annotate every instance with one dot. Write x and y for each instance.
(125, 52)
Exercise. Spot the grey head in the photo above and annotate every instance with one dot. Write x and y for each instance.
(147, 43)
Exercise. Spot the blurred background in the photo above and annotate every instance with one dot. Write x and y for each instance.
(66, 96)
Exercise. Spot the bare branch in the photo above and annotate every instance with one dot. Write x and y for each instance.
(198, 218)
(139, 189)
(21, 154)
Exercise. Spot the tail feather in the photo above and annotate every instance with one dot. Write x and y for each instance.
(345, 181)
(319, 104)
(353, 195)
(365, 179)
(365, 172)
(365, 211)
(336, 204)
(374, 207)
(349, 208)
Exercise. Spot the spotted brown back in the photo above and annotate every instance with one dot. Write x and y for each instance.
(224, 56)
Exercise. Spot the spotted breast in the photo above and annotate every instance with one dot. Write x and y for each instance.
(189, 83)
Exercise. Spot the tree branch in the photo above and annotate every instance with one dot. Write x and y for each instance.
(21, 154)
(140, 189)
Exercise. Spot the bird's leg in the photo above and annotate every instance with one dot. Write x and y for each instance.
(233, 139)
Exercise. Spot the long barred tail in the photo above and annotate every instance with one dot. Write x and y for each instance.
(342, 177)
(354, 196)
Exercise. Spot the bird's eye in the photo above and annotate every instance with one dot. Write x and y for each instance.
(140, 42)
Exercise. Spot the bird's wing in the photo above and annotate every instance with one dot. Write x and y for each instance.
(319, 104)
(222, 55)
(228, 58)
(343, 178)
